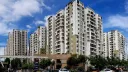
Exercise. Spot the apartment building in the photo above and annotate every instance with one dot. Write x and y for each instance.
(126, 49)
(114, 44)
(51, 35)
(5, 49)
(76, 30)
(17, 43)
(94, 33)
(105, 45)
(37, 40)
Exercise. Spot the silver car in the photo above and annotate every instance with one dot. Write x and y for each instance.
(106, 70)
(63, 70)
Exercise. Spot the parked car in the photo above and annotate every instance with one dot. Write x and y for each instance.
(63, 70)
(106, 70)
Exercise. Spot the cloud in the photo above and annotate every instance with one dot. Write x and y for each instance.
(28, 26)
(13, 10)
(44, 5)
(2, 44)
(2, 50)
(5, 28)
(98, 2)
(117, 21)
(39, 22)
(45, 19)
(126, 6)
(42, 22)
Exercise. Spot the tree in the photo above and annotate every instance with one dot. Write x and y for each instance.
(53, 63)
(82, 59)
(72, 61)
(43, 51)
(30, 65)
(24, 61)
(98, 61)
(45, 63)
(27, 66)
(1, 68)
(7, 60)
(16, 63)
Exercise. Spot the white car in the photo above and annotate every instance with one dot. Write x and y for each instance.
(63, 70)
(106, 70)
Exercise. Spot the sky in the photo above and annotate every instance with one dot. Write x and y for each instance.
(29, 14)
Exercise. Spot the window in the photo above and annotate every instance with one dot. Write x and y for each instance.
(83, 48)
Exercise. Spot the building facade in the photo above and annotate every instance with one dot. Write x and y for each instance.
(76, 30)
(17, 43)
(5, 49)
(114, 44)
(51, 35)
(37, 40)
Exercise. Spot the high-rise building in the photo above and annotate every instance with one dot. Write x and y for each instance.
(17, 43)
(126, 49)
(51, 35)
(5, 53)
(105, 45)
(114, 44)
(94, 33)
(37, 40)
(76, 30)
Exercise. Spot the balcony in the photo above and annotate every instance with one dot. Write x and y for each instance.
(57, 46)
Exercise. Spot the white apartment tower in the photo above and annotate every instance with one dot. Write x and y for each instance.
(76, 30)
(94, 33)
(105, 45)
(37, 40)
(5, 51)
(51, 35)
(114, 44)
(17, 43)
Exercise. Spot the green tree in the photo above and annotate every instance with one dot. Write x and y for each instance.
(43, 51)
(53, 63)
(16, 63)
(45, 63)
(30, 65)
(98, 61)
(7, 60)
(72, 61)
(25, 66)
(24, 61)
(2, 69)
(82, 59)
